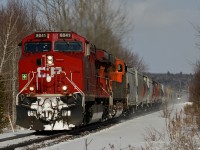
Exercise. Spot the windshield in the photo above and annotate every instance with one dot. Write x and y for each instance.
(37, 47)
(68, 46)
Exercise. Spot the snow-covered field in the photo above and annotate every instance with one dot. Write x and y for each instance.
(121, 136)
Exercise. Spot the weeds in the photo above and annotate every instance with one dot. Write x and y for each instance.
(181, 131)
(87, 143)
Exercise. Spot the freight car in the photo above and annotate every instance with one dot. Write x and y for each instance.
(66, 82)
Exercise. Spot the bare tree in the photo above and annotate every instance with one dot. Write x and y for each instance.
(87, 143)
(15, 24)
(195, 93)
(101, 24)
(133, 60)
(55, 14)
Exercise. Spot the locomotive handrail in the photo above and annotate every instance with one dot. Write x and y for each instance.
(110, 96)
(27, 84)
(105, 91)
(76, 87)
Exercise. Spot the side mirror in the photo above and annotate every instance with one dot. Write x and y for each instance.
(87, 52)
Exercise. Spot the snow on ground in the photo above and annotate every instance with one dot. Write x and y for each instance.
(121, 135)
(128, 133)
(15, 137)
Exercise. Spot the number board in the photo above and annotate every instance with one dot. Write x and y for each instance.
(65, 35)
(41, 35)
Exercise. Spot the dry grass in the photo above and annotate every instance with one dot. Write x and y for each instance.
(181, 131)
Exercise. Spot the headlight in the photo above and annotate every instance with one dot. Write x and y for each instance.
(31, 88)
(64, 88)
(50, 57)
(50, 60)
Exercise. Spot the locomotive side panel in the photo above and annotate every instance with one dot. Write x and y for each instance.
(90, 78)
(119, 89)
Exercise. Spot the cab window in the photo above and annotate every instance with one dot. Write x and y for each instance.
(119, 68)
(68, 46)
(34, 47)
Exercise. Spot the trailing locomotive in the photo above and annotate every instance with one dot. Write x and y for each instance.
(66, 82)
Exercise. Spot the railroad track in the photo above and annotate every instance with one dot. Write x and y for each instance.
(45, 139)
(28, 139)
(15, 137)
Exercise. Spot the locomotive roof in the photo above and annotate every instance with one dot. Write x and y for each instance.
(55, 32)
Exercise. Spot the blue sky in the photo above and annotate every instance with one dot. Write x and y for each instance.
(163, 33)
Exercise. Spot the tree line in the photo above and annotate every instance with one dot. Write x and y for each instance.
(103, 25)
(178, 81)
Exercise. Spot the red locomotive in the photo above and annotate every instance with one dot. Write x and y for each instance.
(65, 82)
